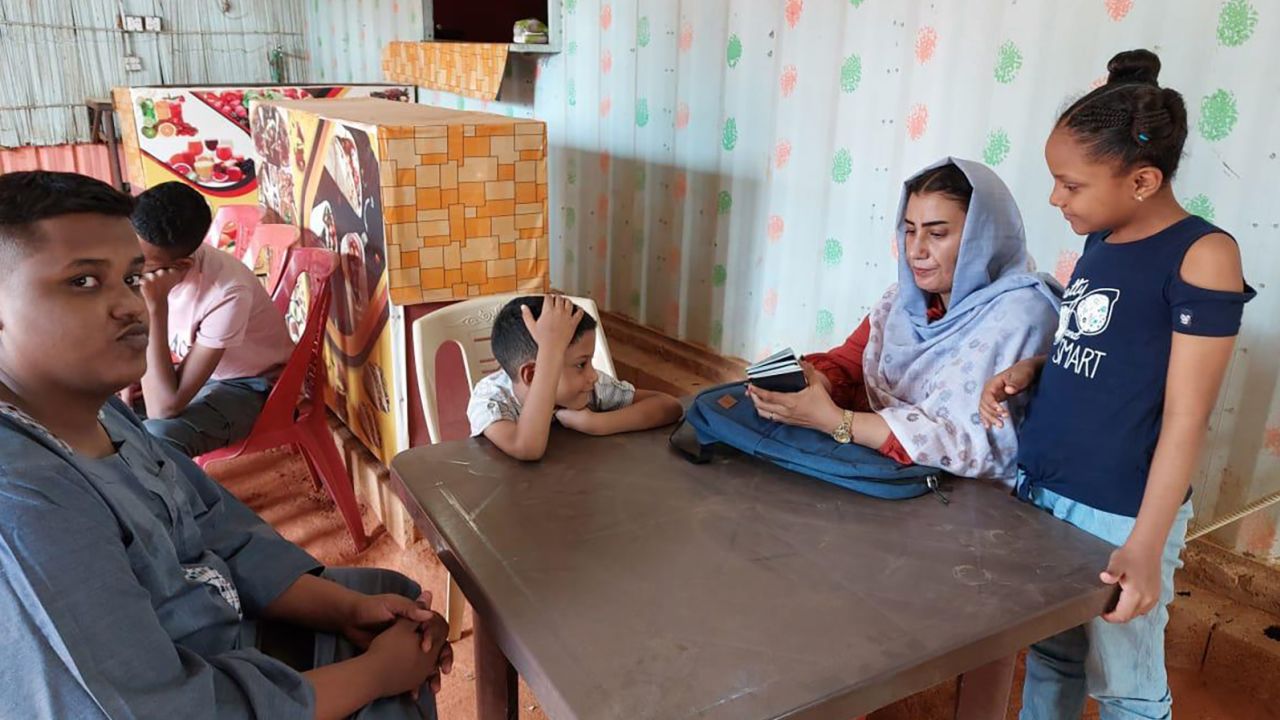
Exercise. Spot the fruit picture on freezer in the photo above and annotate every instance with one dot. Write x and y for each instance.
(202, 135)
(163, 117)
(186, 133)
(235, 103)
(211, 162)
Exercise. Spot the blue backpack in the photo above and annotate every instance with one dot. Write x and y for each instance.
(725, 415)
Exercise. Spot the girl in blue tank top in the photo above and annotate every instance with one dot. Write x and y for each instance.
(1121, 404)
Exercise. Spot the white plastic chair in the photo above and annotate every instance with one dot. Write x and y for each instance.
(468, 324)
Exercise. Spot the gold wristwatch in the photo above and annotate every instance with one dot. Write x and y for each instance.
(843, 433)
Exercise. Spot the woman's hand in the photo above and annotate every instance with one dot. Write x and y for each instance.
(991, 406)
(809, 408)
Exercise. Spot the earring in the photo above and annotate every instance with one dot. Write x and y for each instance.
(1139, 198)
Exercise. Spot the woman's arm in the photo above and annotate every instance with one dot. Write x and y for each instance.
(814, 408)
(840, 368)
(870, 430)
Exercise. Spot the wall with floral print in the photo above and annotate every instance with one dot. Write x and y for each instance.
(727, 171)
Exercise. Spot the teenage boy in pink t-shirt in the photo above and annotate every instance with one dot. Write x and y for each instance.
(217, 343)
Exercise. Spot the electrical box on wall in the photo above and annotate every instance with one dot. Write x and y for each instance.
(139, 23)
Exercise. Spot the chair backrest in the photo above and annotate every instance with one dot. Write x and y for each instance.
(232, 227)
(266, 251)
(303, 296)
(467, 324)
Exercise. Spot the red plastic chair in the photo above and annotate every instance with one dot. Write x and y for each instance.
(267, 249)
(294, 413)
(237, 222)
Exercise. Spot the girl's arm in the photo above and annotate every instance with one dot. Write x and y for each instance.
(1197, 365)
(992, 410)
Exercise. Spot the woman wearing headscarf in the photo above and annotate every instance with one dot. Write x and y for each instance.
(966, 305)
(907, 382)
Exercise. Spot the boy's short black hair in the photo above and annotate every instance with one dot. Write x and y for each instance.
(513, 346)
(172, 216)
(28, 197)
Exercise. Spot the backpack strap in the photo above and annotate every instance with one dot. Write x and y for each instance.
(684, 440)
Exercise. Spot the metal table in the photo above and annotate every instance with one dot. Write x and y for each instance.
(623, 582)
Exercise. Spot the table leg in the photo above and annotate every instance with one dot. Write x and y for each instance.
(113, 151)
(497, 690)
(984, 692)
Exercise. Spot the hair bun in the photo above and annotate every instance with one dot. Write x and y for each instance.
(1134, 66)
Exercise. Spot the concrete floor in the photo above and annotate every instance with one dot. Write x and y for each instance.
(276, 485)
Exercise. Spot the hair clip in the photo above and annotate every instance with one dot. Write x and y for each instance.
(1142, 137)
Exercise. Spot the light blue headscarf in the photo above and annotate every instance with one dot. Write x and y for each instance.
(924, 378)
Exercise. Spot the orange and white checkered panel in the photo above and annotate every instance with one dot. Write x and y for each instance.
(465, 203)
(471, 69)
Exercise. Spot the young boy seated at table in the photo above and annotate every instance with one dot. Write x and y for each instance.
(217, 341)
(544, 345)
(134, 585)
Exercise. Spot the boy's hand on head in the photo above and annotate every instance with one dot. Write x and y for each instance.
(556, 324)
(369, 615)
(157, 284)
(1137, 571)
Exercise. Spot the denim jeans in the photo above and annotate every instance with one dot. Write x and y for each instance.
(1119, 666)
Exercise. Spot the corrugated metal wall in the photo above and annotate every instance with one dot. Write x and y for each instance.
(55, 53)
(91, 160)
(727, 170)
(346, 37)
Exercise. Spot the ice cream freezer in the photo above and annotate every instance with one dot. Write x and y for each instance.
(200, 134)
(426, 207)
